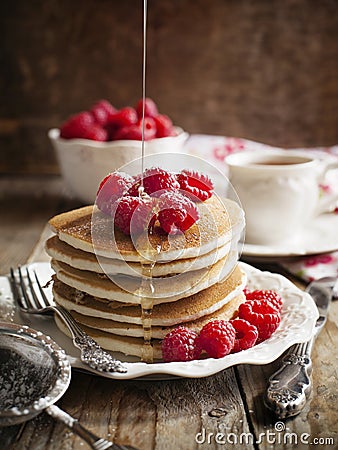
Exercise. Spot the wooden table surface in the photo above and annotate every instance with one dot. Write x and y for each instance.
(161, 414)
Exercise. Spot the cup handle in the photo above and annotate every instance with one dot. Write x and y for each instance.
(328, 202)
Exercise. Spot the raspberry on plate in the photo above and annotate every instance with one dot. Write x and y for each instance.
(272, 296)
(217, 338)
(181, 344)
(246, 291)
(261, 314)
(134, 215)
(176, 212)
(77, 126)
(195, 185)
(150, 108)
(111, 188)
(246, 335)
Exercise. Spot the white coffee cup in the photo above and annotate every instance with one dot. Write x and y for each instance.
(279, 192)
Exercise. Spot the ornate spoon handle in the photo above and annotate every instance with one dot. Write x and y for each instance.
(290, 386)
(93, 441)
(91, 353)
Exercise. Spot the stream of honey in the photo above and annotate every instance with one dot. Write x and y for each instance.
(146, 293)
(146, 290)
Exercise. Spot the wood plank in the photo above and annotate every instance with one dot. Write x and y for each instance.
(26, 205)
(158, 415)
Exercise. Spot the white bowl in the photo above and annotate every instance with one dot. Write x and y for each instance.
(84, 163)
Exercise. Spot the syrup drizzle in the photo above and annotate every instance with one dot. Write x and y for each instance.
(144, 60)
(146, 290)
(146, 294)
(147, 304)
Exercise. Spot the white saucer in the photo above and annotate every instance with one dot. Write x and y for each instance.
(319, 236)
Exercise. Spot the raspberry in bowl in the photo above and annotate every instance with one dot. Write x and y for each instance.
(91, 143)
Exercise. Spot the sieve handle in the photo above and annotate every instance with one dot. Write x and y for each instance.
(94, 441)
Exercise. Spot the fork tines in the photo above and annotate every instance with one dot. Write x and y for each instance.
(15, 291)
(25, 292)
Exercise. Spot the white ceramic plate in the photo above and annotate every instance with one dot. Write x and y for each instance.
(319, 236)
(299, 316)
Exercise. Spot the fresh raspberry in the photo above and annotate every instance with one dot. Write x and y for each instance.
(157, 180)
(195, 185)
(134, 215)
(101, 111)
(124, 117)
(272, 296)
(164, 126)
(150, 108)
(246, 335)
(261, 314)
(181, 344)
(111, 188)
(176, 212)
(77, 126)
(149, 128)
(134, 189)
(96, 133)
(134, 132)
(217, 338)
(129, 132)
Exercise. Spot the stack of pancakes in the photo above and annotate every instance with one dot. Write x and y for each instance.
(121, 290)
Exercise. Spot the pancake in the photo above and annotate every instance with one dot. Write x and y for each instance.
(226, 312)
(90, 230)
(166, 314)
(131, 289)
(113, 336)
(82, 260)
(115, 343)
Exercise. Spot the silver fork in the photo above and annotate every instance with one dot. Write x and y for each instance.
(31, 303)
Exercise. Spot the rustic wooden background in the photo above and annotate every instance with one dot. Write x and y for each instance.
(261, 69)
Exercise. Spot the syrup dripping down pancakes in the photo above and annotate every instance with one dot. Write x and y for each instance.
(122, 300)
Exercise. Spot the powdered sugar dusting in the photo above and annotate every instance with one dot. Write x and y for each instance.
(35, 372)
(26, 375)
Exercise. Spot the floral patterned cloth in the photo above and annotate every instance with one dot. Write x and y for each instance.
(314, 267)
(215, 148)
